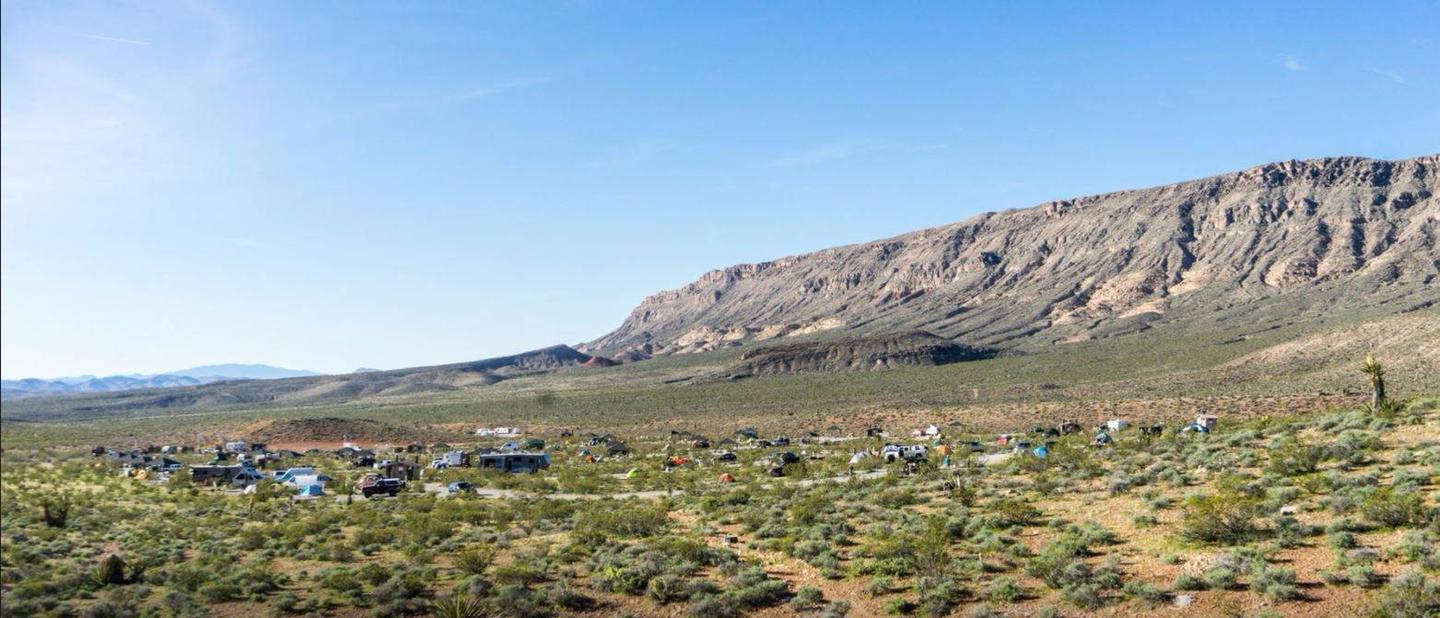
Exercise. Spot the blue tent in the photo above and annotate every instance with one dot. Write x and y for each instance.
(1042, 451)
(311, 491)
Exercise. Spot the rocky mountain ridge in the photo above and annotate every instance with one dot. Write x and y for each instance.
(1322, 235)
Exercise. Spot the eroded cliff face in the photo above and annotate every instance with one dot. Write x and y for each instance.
(1323, 235)
(861, 353)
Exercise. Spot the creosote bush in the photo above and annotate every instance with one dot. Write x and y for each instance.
(1222, 518)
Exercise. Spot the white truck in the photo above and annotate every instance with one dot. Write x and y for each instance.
(906, 452)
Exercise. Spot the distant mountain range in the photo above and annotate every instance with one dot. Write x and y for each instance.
(35, 387)
(305, 390)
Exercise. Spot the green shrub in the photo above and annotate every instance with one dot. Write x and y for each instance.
(900, 606)
(1274, 582)
(629, 519)
(1144, 592)
(1363, 576)
(516, 573)
(562, 595)
(473, 561)
(1009, 512)
(1058, 564)
(1189, 581)
(835, 609)
(1084, 595)
(1392, 508)
(1004, 589)
(1409, 595)
(666, 589)
(340, 580)
(1220, 578)
(715, 605)
(807, 597)
(1223, 518)
(1291, 457)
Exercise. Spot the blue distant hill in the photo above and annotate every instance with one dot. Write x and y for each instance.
(33, 387)
(232, 370)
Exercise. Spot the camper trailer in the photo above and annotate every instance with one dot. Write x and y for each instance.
(451, 459)
(514, 462)
(237, 474)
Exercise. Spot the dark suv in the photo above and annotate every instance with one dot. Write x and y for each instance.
(382, 486)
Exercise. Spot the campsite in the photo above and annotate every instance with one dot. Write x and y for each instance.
(1280, 515)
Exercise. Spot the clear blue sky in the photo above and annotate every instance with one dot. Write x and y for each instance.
(338, 185)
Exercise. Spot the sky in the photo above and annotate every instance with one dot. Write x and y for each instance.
(335, 185)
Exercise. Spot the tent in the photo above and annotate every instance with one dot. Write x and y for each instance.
(727, 478)
(1103, 438)
(855, 459)
(1042, 451)
(291, 473)
(310, 491)
(633, 473)
(1195, 427)
(302, 480)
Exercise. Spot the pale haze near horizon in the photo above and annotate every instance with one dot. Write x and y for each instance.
(327, 186)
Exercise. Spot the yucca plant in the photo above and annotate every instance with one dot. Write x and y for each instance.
(1376, 372)
(459, 606)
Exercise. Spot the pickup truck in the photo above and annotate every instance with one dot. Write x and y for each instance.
(372, 486)
(905, 452)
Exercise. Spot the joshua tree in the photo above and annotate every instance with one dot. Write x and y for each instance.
(110, 570)
(55, 511)
(1376, 372)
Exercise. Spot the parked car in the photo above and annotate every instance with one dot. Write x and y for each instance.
(459, 487)
(371, 486)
